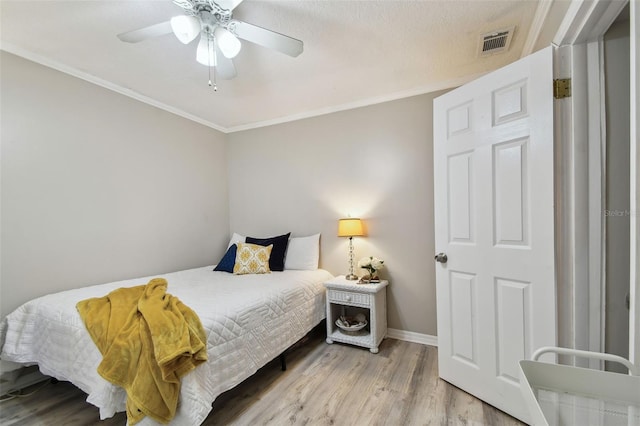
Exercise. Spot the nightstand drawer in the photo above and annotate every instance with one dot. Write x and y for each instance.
(349, 297)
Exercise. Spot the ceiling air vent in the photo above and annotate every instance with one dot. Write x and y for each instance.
(495, 41)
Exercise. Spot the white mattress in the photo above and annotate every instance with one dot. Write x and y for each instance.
(249, 320)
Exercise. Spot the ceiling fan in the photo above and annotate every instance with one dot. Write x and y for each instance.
(219, 34)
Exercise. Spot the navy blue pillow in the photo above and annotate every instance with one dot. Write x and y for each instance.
(228, 260)
(280, 243)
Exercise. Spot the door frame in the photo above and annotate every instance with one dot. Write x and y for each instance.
(581, 133)
(634, 309)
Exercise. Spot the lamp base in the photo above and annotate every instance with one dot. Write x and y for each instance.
(351, 277)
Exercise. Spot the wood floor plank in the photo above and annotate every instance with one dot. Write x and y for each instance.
(323, 385)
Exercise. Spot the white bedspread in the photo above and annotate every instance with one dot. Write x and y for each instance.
(249, 320)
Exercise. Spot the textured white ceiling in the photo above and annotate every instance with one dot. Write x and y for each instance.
(355, 52)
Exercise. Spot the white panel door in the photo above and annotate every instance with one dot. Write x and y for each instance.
(493, 165)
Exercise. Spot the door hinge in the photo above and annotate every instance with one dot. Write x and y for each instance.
(561, 88)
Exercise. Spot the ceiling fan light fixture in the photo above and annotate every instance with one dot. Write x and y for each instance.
(206, 53)
(185, 28)
(220, 35)
(227, 42)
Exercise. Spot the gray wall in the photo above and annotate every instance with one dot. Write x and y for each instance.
(97, 187)
(375, 163)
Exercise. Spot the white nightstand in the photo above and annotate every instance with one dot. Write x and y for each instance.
(350, 298)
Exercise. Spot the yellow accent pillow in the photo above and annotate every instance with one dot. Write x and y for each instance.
(252, 259)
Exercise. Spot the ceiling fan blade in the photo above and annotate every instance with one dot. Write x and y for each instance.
(224, 66)
(228, 4)
(267, 38)
(156, 30)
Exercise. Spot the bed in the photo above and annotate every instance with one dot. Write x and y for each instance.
(248, 319)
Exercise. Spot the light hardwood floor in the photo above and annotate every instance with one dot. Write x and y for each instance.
(323, 385)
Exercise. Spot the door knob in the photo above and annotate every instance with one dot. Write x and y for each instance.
(441, 257)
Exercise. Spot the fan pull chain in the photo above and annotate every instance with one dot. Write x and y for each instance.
(215, 85)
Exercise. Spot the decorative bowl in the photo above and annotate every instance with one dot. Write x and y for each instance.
(349, 324)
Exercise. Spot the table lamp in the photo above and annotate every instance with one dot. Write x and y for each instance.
(350, 227)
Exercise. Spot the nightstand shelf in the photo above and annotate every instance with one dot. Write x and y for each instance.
(350, 298)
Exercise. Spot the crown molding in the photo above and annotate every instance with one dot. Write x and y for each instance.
(540, 17)
(42, 60)
(47, 62)
(443, 85)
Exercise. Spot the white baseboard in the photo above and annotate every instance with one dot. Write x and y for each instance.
(6, 366)
(410, 336)
(19, 379)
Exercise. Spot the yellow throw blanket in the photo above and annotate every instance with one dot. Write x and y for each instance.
(148, 339)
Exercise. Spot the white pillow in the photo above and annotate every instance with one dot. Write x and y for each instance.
(303, 253)
(236, 238)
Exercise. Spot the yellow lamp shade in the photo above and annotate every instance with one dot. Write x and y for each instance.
(350, 227)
